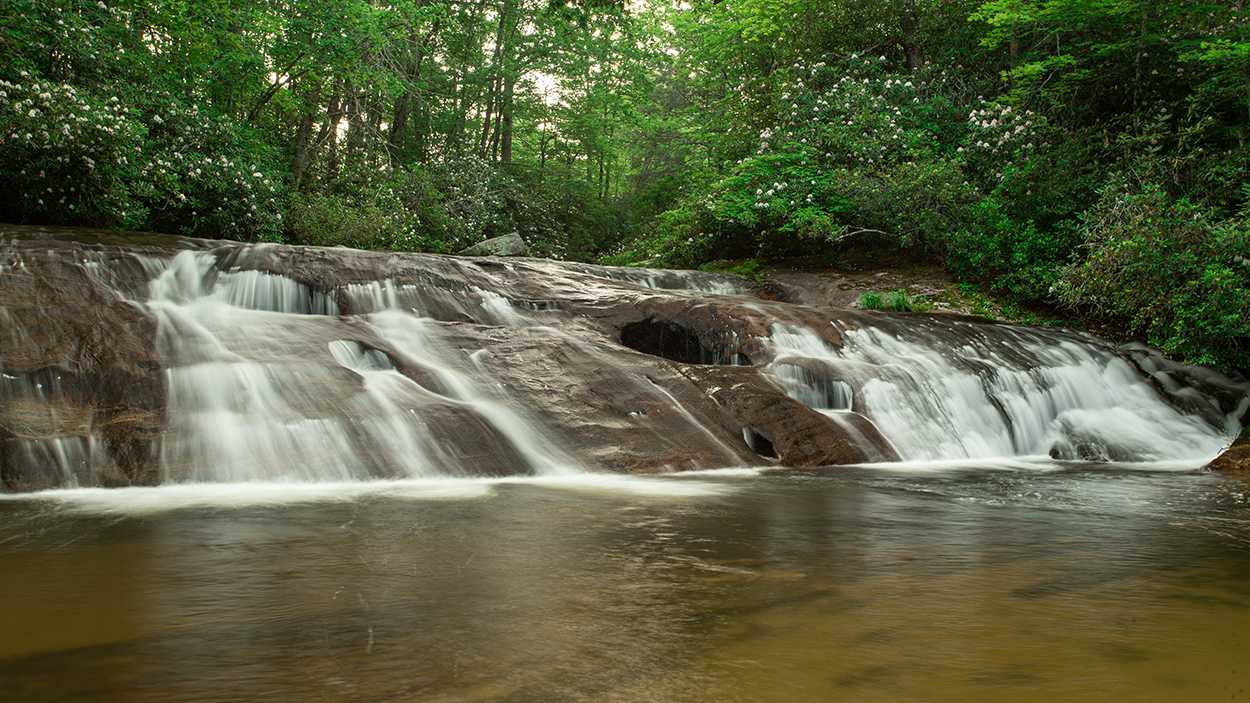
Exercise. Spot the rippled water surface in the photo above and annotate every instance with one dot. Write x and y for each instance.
(987, 583)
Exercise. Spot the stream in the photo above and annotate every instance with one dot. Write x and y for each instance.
(989, 582)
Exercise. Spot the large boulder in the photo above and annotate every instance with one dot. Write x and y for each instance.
(507, 245)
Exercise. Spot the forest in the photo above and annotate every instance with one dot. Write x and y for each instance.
(1089, 156)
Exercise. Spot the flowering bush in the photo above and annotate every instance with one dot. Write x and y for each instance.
(848, 147)
(75, 158)
(67, 157)
(998, 135)
(1177, 274)
(481, 201)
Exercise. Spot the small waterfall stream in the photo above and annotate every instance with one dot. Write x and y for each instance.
(252, 398)
(298, 473)
(1015, 392)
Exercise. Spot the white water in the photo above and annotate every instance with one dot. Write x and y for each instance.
(266, 384)
(1010, 395)
(143, 501)
(248, 400)
(668, 280)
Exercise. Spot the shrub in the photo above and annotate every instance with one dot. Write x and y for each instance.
(82, 159)
(848, 147)
(897, 301)
(1171, 270)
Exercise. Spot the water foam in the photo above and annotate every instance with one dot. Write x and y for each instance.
(983, 396)
(144, 501)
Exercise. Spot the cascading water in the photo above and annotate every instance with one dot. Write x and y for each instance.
(959, 392)
(262, 385)
(195, 361)
(253, 396)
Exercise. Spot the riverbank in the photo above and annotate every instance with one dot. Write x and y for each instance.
(842, 284)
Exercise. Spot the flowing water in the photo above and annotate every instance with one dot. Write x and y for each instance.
(382, 490)
(990, 582)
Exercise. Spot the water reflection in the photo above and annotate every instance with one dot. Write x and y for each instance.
(865, 584)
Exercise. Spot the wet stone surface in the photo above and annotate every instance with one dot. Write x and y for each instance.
(137, 359)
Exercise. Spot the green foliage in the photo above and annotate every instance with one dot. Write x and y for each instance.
(404, 214)
(747, 268)
(79, 158)
(666, 135)
(1175, 272)
(854, 148)
(897, 301)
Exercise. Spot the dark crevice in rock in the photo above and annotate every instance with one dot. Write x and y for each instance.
(536, 305)
(758, 443)
(677, 343)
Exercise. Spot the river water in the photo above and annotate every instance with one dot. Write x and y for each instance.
(1003, 580)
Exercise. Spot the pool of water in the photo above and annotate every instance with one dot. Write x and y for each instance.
(937, 582)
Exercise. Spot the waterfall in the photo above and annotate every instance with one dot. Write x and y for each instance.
(255, 394)
(971, 391)
(195, 361)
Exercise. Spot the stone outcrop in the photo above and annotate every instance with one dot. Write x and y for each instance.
(78, 356)
(622, 369)
(1236, 457)
(608, 369)
(507, 245)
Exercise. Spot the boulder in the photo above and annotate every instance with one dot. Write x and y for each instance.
(1237, 456)
(507, 245)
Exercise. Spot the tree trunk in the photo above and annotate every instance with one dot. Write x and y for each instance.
(505, 137)
(303, 136)
(910, 26)
(483, 139)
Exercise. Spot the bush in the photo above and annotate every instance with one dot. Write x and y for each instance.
(849, 148)
(146, 162)
(1024, 228)
(1171, 270)
(386, 210)
(897, 301)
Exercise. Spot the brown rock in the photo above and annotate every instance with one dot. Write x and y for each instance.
(1236, 457)
(617, 369)
(794, 434)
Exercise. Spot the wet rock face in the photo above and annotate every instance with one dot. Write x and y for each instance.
(136, 359)
(603, 366)
(672, 341)
(82, 397)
